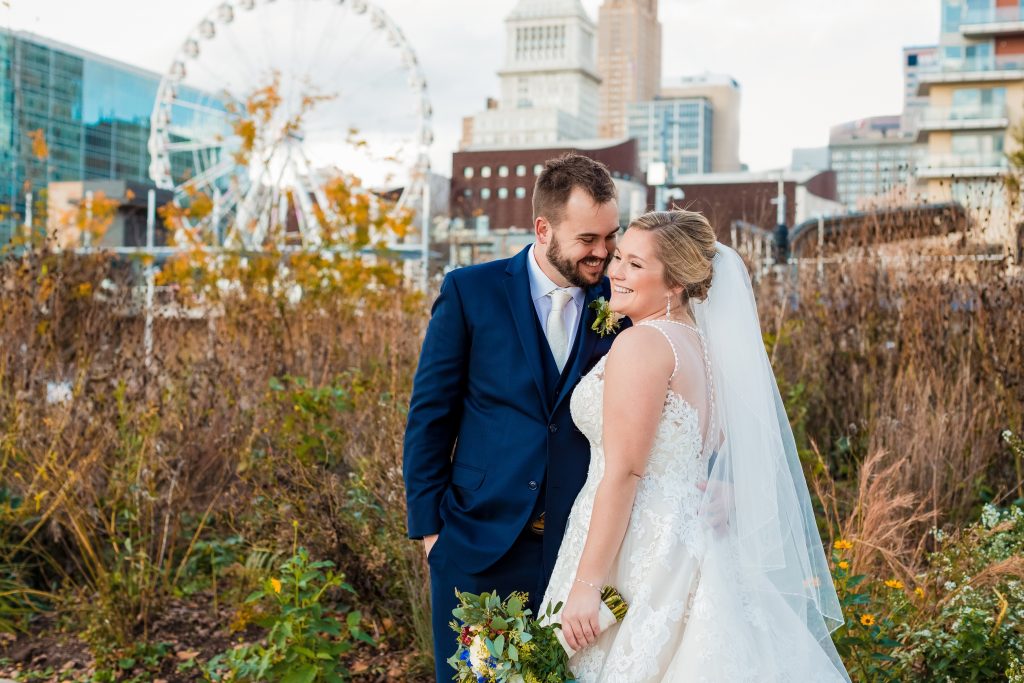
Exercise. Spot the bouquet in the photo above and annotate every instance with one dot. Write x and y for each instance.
(500, 641)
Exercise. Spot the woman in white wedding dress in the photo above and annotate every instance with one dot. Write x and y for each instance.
(695, 507)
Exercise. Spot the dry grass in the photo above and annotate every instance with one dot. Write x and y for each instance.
(905, 362)
(117, 482)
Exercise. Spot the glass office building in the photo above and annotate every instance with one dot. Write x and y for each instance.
(676, 131)
(91, 111)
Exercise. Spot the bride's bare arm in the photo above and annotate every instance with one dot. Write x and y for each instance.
(635, 384)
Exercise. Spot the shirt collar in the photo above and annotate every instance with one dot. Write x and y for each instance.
(541, 285)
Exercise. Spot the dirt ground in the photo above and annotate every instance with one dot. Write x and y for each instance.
(190, 630)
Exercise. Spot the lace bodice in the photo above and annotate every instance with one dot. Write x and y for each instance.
(663, 524)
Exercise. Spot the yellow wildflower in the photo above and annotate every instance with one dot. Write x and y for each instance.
(844, 565)
(919, 592)
(843, 545)
(276, 585)
(894, 583)
(867, 619)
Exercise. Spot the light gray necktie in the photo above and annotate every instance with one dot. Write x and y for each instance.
(555, 328)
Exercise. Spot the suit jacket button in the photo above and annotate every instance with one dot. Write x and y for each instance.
(532, 485)
(552, 428)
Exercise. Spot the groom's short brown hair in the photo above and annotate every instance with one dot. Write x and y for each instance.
(556, 182)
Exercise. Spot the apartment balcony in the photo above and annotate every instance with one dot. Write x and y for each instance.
(960, 118)
(993, 21)
(970, 71)
(980, 165)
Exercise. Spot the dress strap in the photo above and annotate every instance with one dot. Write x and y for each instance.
(704, 349)
(659, 328)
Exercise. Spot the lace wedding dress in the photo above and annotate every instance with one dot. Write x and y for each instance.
(689, 617)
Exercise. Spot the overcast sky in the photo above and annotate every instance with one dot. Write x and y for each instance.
(803, 65)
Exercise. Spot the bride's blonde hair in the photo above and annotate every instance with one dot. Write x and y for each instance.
(685, 242)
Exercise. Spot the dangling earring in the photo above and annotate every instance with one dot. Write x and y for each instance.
(668, 306)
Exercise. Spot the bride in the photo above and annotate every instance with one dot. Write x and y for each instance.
(695, 507)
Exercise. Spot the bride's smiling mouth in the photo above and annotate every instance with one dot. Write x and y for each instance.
(621, 290)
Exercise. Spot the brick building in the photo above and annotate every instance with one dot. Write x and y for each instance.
(727, 197)
(492, 189)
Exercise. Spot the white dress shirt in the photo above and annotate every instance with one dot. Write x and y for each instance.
(540, 286)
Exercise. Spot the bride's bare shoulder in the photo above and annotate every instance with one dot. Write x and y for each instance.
(642, 349)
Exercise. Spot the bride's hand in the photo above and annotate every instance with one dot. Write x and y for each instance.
(579, 617)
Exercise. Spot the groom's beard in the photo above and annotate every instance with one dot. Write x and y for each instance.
(570, 270)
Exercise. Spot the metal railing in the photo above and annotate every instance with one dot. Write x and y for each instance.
(993, 15)
(938, 115)
(993, 64)
(987, 160)
(755, 244)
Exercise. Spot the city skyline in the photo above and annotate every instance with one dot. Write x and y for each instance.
(791, 95)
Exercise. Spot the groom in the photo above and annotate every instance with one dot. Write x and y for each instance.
(492, 459)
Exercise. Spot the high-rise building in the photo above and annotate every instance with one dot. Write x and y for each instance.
(628, 59)
(974, 97)
(67, 114)
(549, 80)
(916, 61)
(677, 132)
(873, 158)
(723, 94)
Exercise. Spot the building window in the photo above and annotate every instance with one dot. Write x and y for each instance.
(503, 171)
(537, 168)
(520, 193)
(467, 193)
(485, 193)
(485, 171)
(502, 193)
(521, 170)
(952, 11)
(467, 172)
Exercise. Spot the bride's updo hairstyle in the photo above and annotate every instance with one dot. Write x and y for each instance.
(686, 246)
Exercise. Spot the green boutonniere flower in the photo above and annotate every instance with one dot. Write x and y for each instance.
(607, 321)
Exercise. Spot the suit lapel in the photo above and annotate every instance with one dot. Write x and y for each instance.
(517, 289)
(585, 340)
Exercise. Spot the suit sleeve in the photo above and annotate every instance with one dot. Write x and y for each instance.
(435, 412)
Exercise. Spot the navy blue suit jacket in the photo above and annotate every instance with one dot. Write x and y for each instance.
(484, 440)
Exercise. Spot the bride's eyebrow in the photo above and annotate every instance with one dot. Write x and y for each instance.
(638, 258)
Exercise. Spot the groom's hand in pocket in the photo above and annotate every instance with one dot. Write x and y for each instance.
(428, 544)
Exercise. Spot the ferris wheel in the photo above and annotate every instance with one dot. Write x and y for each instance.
(348, 97)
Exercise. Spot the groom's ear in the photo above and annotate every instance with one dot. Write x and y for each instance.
(542, 229)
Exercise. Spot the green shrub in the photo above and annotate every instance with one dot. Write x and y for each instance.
(973, 627)
(963, 621)
(305, 642)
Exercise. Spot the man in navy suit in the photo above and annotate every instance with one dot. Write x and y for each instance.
(493, 461)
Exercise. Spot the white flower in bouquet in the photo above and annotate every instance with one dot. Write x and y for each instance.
(479, 656)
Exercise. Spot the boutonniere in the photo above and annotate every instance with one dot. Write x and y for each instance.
(607, 320)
